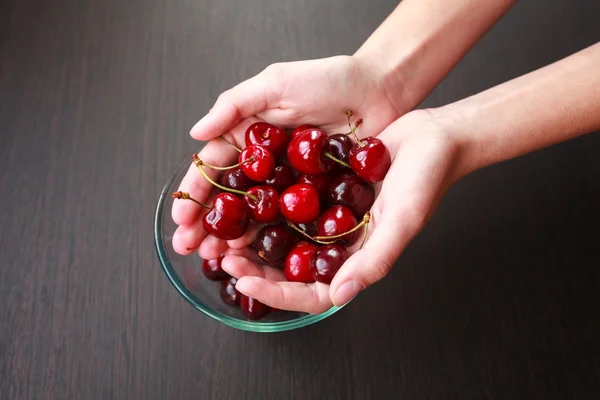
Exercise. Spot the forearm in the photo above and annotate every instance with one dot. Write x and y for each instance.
(422, 40)
(553, 104)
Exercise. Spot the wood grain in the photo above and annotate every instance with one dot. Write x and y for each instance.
(497, 298)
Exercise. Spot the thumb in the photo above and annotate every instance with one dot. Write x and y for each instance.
(242, 101)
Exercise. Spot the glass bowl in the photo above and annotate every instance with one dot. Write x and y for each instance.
(185, 273)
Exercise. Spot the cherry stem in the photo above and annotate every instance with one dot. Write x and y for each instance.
(326, 154)
(364, 239)
(199, 164)
(364, 221)
(226, 168)
(186, 196)
(354, 128)
(231, 144)
(293, 226)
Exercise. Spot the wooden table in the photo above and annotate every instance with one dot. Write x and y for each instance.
(498, 298)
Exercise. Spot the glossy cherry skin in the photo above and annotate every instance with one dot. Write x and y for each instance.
(299, 129)
(236, 179)
(282, 178)
(310, 228)
(297, 263)
(273, 243)
(320, 182)
(337, 220)
(300, 203)
(253, 309)
(371, 161)
(270, 136)
(228, 218)
(351, 191)
(266, 208)
(305, 152)
(212, 269)
(326, 261)
(339, 146)
(261, 167)
(229, 294)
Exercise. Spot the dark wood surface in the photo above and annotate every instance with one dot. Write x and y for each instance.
(498, 298)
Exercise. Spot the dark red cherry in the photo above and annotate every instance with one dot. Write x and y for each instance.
(236, 179)
(270, 136)
(300, 203)
(266, 207)
(253, 309)
(273, 243)
(337, 220)
(212, 269)
(339, 146)
(371, 161)
(229, 294)
(228, 218)
(261, 167)
(299, 129)
(282, 178)
(310, 228)
(297, 263)
(326, 261)
(320, 182)
(351, 191)
(305, 152)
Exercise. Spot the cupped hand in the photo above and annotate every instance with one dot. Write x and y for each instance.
(426, 161)
(316, 92)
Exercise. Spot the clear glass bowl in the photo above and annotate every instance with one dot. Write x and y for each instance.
(185, 273)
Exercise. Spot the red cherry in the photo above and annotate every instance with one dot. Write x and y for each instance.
(261, 167)
(320, 182)
(305, 152)
(253, 309)
(228, 217)
(297, 263)
(326, 261)
(236, 179)
(337, 220)
(339, 146)
(299, 129)
(371, 160)
(351, 191)
(282, 178)
(273, 243)
(266, 207)
(229, 294)
(300, 203)
(270, 136)
(212, 269)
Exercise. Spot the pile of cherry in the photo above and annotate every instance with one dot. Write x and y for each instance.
(312, 203)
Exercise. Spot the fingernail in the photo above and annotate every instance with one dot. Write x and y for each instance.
(198, 127)
(346, 292)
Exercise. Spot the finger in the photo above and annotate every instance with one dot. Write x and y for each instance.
(242, 101)
(312, 298)
(247, 238)
(212, 247)
(187, 239)
(239, 266)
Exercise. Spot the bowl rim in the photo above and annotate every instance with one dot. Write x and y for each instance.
(198, 304)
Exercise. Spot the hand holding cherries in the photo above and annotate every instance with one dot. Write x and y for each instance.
(313, 191)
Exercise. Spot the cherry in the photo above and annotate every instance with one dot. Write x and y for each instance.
(306, 152)
(370, 159)
(282, 178)
(236, 179)
(229, 294)
(335, 221)
(326, 261)
(351, 191)
(300, 129)
(339, 146)
(265, 208)
(262, 165)
(297, 263)
(228, 217)
(212, 269)
(300, 203)
(253, 309)
(310, 228)
(273, 243)
(270, 136)
(320, 182)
